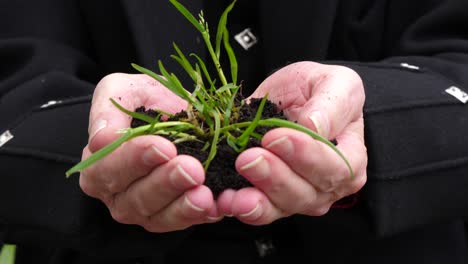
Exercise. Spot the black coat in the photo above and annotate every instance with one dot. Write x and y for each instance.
(52, 53)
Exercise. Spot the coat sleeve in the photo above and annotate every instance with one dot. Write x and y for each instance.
(47, 77)
(416, 119)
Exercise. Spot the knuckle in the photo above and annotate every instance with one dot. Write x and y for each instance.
(322, 210)
(351, 187)
(319, 211)
(351, 75)
(154, 228)
(93, 187)
(355, 83)
(309, 207)
(137, 201)
(110, 78)
(363, 150)
(357, 184)
(112, 186)
(110, 179)
(330, 183)
(309, 203)
(265, 221)
(335, 196)
(152, 224)
(121, 216)
(277, 188)
(343, 174)
(86, 186)
(161, 223)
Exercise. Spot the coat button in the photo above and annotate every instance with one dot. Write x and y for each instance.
(265, 247)
(246, 38)
(5, 137)
(409, 66)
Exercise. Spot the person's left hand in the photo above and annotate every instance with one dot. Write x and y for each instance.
(293, 173)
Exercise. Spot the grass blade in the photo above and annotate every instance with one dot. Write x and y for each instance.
(136, 115)
(174, 84)
(188, 15)
(231, 56)
(244, 138)
(214, 143)
(229, 86)
(228, 113)
(100, 153)
(7, 254)
(276, 122)
(204, 69)
(165, 80)
(221, 28)
(131, 133)
(182, 60)
(231, 141)
(150, 73)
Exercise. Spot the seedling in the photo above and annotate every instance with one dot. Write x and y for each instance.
(212, 114)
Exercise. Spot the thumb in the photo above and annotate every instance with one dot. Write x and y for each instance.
(131, 91)
(105, 119)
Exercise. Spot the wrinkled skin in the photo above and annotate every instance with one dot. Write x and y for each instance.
(146, 183)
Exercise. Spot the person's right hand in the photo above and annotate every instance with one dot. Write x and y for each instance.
(143, 182)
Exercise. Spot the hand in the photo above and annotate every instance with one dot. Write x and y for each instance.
(293, 173)
(144, 181)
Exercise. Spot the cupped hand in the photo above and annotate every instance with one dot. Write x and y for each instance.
(143, 182)
(293, 173)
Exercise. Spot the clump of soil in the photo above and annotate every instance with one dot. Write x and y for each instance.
(221, 174)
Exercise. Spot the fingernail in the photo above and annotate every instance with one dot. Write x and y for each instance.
(153, 156)
(213, 218)
(96, 127)
(259, 167)
(177, 173)
(320, 123)
(191, 205)
(283, 144)
(254, 213)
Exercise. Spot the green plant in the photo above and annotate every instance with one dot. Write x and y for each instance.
(213, 110)
(7, 254)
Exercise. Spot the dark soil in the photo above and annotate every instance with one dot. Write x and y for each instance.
(221, 174)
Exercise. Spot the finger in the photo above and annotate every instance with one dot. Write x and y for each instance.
(285, 189)
(351, 144)
(150, 194)
(131, 91)
(253, 207)
(189, 209)
(316, 162)
(214, 215)
(224, 202)
(134, 159)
